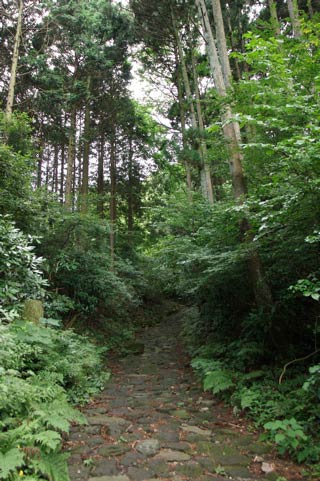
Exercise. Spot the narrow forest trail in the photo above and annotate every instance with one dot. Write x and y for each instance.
(153, 422)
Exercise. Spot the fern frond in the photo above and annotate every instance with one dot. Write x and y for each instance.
(53, 465)
(48, 439)
(10, 461)
(217, 381)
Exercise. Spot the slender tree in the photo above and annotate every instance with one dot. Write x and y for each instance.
(274, 17)
(294, 17)
(71, 159)
(232, 134)
(196, 116)
(86, 151)
(15, 59)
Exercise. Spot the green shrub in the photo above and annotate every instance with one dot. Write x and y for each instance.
(79, 266)
(20, 270)
(42, 369)
(16, 167)
(290, 438)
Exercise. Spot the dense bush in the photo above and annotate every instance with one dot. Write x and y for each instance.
(16, 167)
(288, 412)
(79, 267)
(42, 369)
(20, 270)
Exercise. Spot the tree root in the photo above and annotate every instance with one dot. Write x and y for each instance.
(295, 360)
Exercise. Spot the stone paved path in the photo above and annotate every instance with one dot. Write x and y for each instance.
(153, 422)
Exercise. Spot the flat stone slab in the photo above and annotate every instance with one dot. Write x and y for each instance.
(237, 471)
(179, 446)
(196, 430)
(110, 478)
(181, 414)
(149, 447)
(168, 436)
(105, 467)
(113, 450)
(191, 470)
(170, 455)
(140, 474)
(115, 425)
(235, 460)
(102, 419)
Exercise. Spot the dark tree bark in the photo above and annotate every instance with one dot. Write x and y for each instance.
(86, 154)
(100, 179)
(14, 64)
(113, 197)
(61, 190)
(71, 159)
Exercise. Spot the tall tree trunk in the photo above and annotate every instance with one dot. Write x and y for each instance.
(130, 219)
(237, 71)
(215, 67)
(274, 20)
(76, 177)
(71, 159)
(14, 65)
(205, 170)
(183, 125)
(194, 122)
(86, 153)
(55, 169)
(63, 153)
(77, 171)
(40, 161)
(100, 179)
(294, 17)
(221, 42)
(231, 131)
(47, 167)
(113, 198)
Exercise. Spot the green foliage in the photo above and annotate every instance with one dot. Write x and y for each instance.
(9, 461)
(20, 270)
(16, 164)
(312, 384)
(218, 381)
(290, 438)
(201, 255)
(79, 266)
(308, 288)
(42, 370)
(269, 405)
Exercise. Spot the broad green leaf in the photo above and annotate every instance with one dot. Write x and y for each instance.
(10, 461)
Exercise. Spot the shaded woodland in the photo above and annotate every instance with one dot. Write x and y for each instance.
(206, 192)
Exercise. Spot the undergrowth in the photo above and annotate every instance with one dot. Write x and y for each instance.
(42, 370)
(288, 413)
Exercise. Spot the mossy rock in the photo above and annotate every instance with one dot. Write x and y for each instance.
(160, 468)
(229, 432)
(258, 448)
(246, 441)
(192, 471)
(205, 447)
(33, 311)
(218, 451)
(114, 450)
(181, 414)
(237, 471)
